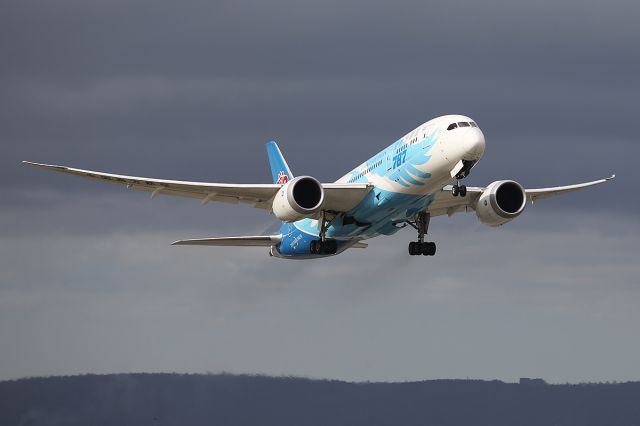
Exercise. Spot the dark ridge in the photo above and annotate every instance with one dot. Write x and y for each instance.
(224, 399)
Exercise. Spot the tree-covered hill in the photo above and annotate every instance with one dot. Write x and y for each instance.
(175, 399)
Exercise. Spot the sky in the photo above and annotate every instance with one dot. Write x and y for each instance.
(192, 90)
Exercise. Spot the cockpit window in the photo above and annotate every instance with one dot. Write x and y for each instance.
(452, 126)
(473, 124)
(463, 124)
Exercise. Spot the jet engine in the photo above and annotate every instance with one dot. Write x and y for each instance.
(297, 199)
(501, 202)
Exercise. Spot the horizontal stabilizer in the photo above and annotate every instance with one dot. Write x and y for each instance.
(256, 241)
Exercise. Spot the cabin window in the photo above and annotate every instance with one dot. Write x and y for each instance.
(463, 124)
(452, 126)
(473, 124)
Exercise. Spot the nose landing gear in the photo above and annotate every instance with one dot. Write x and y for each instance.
(421, 247)
(459, 189)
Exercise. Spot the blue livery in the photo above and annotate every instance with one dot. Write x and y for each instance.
(378, 213)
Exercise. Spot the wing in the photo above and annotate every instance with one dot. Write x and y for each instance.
(446, 203)
(338, 196)
(540, 193)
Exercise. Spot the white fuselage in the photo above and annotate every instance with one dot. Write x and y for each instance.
(406, 175)
(445, 148)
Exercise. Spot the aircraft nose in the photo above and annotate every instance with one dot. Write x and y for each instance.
(473, 144)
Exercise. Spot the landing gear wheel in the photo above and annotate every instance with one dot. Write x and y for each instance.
(323, 247)
(429, 249)
(460, 190)
(330, 247)
(412, 248)
(421, 247)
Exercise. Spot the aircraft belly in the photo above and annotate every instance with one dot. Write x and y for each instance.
(381, 215)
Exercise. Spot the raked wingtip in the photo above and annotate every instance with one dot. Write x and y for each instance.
(33, 163)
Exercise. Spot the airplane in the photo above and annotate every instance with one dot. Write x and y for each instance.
(406, 184)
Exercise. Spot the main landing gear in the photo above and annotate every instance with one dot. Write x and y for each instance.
(323, 246)
(459, 189)
(421, 247)
(416, 248)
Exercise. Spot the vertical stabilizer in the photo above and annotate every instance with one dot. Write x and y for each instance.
(279, 167)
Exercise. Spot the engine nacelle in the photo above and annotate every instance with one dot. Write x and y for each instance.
(501, 202)
(299, 198)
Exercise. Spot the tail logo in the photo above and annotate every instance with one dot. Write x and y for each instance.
(282, 178)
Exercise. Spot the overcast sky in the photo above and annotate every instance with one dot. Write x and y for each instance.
(193, 89)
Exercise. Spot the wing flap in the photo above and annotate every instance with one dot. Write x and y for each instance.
(248, 241)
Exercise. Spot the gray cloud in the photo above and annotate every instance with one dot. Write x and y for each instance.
(192, 91)
(552, 297)
(284, 39)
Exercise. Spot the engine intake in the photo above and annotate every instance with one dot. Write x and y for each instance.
(299, 198)
(501, 202)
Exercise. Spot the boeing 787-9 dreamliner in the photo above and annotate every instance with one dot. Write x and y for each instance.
(406, 184)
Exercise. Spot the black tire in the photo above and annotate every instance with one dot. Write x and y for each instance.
(463, 190)
(431, 249)
(330, 247)
(455, 190)
(412, 248)
(313, 247)
(419, 248)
